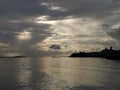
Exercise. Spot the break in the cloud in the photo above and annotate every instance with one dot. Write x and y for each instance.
(39, 27)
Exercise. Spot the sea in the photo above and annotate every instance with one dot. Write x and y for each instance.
(59, 73)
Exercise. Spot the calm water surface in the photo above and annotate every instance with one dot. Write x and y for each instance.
(59, 74)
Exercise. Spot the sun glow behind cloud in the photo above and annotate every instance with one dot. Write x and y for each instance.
(25, 35)
(71, 32)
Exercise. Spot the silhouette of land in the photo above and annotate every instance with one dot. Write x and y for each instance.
(105, 53)
(12, 57)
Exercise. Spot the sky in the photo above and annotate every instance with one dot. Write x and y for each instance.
(49, 27)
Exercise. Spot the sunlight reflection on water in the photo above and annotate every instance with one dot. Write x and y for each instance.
(59, 74)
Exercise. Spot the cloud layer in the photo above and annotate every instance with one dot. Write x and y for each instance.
(39, 27)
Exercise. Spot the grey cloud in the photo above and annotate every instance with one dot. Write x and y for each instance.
(55, 47)
(105, 25)
(115, 33)
(21, 7)
(32, 8)
(84, 7)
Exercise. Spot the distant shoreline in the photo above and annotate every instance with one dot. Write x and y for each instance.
(12, 57)
(105, 53)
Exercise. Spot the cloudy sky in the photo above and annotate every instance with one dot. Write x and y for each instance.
(42, 27)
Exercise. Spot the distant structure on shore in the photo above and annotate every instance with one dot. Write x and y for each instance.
(105, 53)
